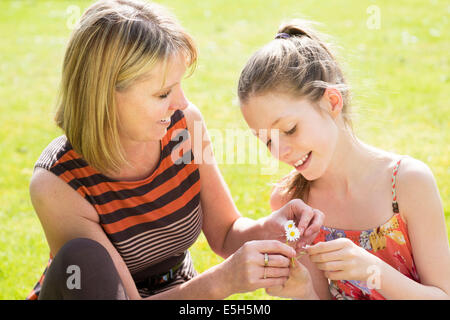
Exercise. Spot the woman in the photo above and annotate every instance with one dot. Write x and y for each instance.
(120, 196)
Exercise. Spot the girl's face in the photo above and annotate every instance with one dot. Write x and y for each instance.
(144, 109)
(307, 137)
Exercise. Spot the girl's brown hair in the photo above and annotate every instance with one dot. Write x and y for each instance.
(299, 63)
(115, 43)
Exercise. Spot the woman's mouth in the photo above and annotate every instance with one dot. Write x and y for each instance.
(165, 121)
(303, 162)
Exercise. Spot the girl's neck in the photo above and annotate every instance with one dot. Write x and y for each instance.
(352, 163)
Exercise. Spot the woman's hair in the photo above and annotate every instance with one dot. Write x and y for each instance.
(115, 43)
(299, 63)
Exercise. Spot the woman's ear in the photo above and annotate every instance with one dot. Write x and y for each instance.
(334, 101)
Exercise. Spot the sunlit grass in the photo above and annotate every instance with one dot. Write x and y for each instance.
(399, 74)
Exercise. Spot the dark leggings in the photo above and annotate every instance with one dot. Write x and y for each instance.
(82, 270)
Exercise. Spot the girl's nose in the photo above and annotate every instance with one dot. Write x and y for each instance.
(281, 151)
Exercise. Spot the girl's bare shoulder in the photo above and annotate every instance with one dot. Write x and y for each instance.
(415, 184)
(278, 196)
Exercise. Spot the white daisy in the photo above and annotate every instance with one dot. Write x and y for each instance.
(292, 234)
(290, 224)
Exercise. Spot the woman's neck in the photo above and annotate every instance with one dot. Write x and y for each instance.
(143, 158)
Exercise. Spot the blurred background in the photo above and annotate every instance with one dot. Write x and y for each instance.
(395, 55)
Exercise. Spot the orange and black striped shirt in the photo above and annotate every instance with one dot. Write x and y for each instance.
(149, 220)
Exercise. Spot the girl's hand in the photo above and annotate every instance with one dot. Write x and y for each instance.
(244, 270)
(298, 286)
(341, 259)
(308, 221)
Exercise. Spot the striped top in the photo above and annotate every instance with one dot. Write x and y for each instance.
(149, 220)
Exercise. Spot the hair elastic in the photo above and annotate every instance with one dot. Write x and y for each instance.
(282, 35)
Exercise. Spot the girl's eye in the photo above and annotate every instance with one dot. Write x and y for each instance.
(291, 131)
(165, 95)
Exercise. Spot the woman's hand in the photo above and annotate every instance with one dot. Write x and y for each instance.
(245, 270)
(308, 221)
(341, 259)
(298, 286)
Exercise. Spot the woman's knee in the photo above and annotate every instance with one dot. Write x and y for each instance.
(80, 249)
(82, 269)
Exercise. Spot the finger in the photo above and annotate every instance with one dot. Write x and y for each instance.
(336, 275)
(273, 282)
(298, 270)
(328, 256)
(295, 209)
(315, 224)
(273, 246)
(327, 246)
(305, 219)
(331, 266)
(276, 260)
(272, 272)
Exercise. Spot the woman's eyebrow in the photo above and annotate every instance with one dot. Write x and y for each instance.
(166, 88)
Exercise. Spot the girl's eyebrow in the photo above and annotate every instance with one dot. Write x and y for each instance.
(273, 124)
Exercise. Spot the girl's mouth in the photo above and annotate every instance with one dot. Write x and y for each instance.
(303, 162)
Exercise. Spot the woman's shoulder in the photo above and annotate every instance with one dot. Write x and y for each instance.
(192, 114)
(53, 152)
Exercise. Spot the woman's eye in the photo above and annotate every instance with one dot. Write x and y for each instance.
(291, 131)
(165, 95)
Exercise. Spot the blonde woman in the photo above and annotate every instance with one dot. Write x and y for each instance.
(120, 196)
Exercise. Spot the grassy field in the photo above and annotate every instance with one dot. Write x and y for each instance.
(399, 71)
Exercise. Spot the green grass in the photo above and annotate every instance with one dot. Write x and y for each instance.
(399, 73)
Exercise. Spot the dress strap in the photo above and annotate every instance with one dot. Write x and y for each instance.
(394, 182)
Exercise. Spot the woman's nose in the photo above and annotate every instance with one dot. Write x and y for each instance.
(179, 100)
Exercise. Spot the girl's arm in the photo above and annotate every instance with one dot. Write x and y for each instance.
(225, 229)
(421, 205)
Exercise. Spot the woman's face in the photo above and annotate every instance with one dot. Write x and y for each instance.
(144, 109)
(306, 138)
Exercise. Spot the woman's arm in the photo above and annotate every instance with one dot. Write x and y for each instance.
(319, 281)
(66, 215)
(225, 229)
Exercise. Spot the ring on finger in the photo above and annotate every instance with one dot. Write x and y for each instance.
(266, 259)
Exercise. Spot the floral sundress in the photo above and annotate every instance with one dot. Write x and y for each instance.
(389, 242)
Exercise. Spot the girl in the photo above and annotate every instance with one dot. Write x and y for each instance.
(118, 207)
(384, 234)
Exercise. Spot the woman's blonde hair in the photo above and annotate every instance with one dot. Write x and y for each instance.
(114, 44)
(299, 63)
